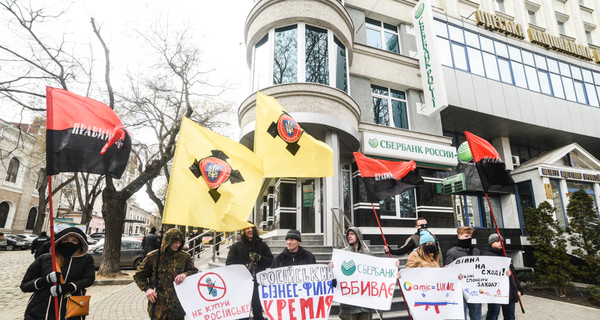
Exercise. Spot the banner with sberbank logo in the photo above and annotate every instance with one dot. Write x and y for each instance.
(364, 281)
(434, 88)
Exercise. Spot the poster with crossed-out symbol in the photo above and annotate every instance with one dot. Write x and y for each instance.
(211, 286)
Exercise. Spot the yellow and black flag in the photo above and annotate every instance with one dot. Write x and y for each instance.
(286, 149)
(214, 181)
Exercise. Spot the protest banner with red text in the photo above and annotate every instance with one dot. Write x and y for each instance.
(217, 294)
(484, 279)
(296, 292)
(364, 280)
(432, 293)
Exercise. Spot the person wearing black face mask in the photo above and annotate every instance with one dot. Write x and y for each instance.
(74, 274)
(464, 248)
(426, 255)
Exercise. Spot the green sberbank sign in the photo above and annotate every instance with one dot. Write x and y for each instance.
(430, 65)
(408, 149)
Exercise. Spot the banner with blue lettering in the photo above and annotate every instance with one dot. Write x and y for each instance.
(484, 278)
(364, 280)
(296, 292)
(432, 293)
(221, 293)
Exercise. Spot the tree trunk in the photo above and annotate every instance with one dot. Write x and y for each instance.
(114, 207)
(86, 216)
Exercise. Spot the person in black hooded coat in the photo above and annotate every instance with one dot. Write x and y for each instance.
(76, 274)
(254, 253)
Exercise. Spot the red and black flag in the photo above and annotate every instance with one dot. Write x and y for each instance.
(384, 178)
(491, 168)
(84, 135)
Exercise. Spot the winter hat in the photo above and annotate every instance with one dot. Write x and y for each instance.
(494, 237)
(426, 237)
(294, 234)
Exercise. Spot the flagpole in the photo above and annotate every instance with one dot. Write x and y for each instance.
(52, 245)
(512, 275)
(390, 255)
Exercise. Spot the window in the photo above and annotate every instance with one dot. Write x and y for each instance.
(262, 56)
(525, 198)
(558, 203)
(388, 102)
(4, 209)
(31, 219)
(574, 186)
(531, 17)
(285, 64)
(382, 35)
(300, 53)
(13, 170)
(561, 27)
(401, 206)
(588, 36)
(499, 5)
(317, 59)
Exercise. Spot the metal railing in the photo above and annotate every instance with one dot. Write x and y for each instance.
(196, 246)
(340, 227)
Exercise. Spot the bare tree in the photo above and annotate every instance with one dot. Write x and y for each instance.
(157, 102)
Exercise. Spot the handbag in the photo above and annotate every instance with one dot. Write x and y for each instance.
(77, 306)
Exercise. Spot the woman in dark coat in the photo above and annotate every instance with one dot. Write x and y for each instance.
(76, 274)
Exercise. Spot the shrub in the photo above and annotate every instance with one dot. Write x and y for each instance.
(593, 294)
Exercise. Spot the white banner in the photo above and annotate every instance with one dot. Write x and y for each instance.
(296, 292)
(434, 88)
(220, 293)
(432, 293)
(484, 278)
(364, 281)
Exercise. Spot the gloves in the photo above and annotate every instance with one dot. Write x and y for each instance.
(59, 290)
(334, 282)
(255, 257)
(50, 279)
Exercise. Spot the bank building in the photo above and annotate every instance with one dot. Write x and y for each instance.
(522, 74)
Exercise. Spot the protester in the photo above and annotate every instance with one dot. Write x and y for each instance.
(508, 310)
(293, 254)
(74, 274)
(38, 242)
(150, 242)
(426, 255)
(254, 253)
(464, 248)
(412, 242)
(158, 271)
(355, 244)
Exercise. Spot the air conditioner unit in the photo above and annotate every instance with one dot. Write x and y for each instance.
(516, 161)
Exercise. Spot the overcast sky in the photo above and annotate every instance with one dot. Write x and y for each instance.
(216, 25)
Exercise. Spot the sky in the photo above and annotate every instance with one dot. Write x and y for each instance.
(217, 27)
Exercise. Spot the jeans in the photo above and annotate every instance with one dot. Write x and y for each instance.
(508, 311)
(474, 310)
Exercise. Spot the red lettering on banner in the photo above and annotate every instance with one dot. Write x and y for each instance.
(267, 307)
(320, 308)
(280, 306)
(304, 304)
(292, 309)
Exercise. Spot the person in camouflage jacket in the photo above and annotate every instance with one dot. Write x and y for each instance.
(173, 265)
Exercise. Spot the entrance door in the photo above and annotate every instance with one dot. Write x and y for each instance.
(308, 218)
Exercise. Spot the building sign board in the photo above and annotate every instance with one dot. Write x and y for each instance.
(430, 64)
(591, 176)
(496, 23)
(407, 149)
(454, 184)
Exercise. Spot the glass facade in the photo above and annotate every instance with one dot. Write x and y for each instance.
(285, 58)
(465, 50)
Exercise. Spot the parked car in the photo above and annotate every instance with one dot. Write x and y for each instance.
(132, 254)
(97, 235)
(3, 243)
(13, 242)
(27, 237)
(91, 240)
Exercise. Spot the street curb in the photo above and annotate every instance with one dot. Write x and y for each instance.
(112, 282)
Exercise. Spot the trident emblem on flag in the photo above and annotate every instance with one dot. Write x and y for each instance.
(215, 170)
(287, 129)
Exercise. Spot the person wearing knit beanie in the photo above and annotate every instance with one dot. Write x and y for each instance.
(293, 254)
(494, 237)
